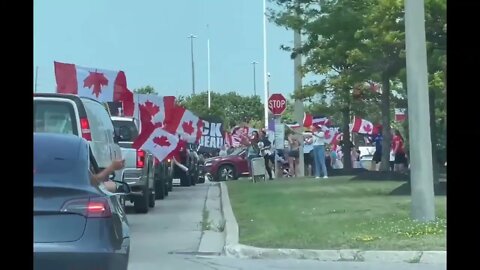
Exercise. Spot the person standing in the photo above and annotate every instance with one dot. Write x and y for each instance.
(266, 153)
(308, 154)
(377, 156)
(399, 151)
(293, 155)
(253, 150)
(319, 152)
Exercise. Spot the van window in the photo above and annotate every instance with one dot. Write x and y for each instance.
(126, 129)
(54, 117)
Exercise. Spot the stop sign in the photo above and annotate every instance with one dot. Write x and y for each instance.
(277, 104)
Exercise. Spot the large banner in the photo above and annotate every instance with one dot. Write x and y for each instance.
(212, 135)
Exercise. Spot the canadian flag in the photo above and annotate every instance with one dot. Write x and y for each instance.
(189, 126)
(330, 133)
(99, 84)
(309, 120)
(161, 143)
(154, 110)
(400, 115)
(362, 126)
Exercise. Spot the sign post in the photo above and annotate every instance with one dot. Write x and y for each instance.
(277, 104)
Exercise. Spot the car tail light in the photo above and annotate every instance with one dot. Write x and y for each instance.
(89, 207)
(85, 126)
(140, 158)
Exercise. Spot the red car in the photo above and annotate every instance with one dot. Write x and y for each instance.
(229, 167)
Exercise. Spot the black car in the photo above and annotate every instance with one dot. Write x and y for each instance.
(77, 225)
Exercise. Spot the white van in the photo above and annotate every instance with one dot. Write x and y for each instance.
(84, 117)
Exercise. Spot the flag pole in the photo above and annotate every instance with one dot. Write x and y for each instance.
(265, 78)
(208, 67)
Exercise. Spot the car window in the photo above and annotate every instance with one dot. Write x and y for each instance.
(54, 117)
(126, 129)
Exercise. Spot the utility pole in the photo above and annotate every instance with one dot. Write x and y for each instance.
(191, 37)
(423, 198)
(297, 63)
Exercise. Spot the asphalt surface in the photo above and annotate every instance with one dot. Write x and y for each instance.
(168, 237)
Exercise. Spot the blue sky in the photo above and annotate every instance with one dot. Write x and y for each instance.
(148, 40)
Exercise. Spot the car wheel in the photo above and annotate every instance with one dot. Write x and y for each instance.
(170, 184)
(159, 190)
(151, 202)
(141, 203)
(185, 179)
(226, 173)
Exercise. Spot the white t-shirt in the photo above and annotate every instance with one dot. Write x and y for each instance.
(319, 138)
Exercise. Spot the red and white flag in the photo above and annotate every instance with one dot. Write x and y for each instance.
(400, 115)
(189, 127)
(309, 120)
(159, 142)
(99, 84)
(330, 133)
(154, 110)
(362, 126)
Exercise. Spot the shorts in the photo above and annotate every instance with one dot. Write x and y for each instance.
(377, 157)
(307, 158)
(294, 154)
(400, 158)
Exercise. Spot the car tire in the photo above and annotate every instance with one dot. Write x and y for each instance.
(159, 190)
(141, 203)
(229, 171)
(170, 184)
(185, 180)
(151, 201)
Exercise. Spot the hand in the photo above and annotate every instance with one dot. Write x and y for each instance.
(118, 164)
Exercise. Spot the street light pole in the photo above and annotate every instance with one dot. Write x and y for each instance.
(254, 79)
(423, 198)
(208, 69)
(36, 79)
(191, 37)
(265, 79)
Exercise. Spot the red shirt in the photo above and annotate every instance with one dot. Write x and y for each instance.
(398, 145)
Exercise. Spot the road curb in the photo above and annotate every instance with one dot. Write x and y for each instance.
(213, 238)
(234, 249)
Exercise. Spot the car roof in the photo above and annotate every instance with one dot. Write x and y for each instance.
(62, 145)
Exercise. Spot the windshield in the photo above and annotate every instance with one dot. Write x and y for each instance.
(237, 152)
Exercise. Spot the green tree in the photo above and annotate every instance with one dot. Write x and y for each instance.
(233, 108)
(329, 50)
(145, 90)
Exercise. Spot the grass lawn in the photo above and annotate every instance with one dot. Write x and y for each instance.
(334, 214)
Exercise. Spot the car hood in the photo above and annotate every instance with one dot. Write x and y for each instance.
(217, 159)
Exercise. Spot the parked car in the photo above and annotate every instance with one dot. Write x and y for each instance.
(76, 225)
(229, 167)
(149, 180)
(80, 116)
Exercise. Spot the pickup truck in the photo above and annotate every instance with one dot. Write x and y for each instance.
(149, 180)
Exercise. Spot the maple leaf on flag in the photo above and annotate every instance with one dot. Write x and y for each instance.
(161, 141)
(151, 108)
(188, 127)
(367, 128)
(97, 80)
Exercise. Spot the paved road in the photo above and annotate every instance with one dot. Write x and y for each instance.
(169, 235)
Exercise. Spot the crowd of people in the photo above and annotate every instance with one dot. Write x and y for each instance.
(319, 156)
